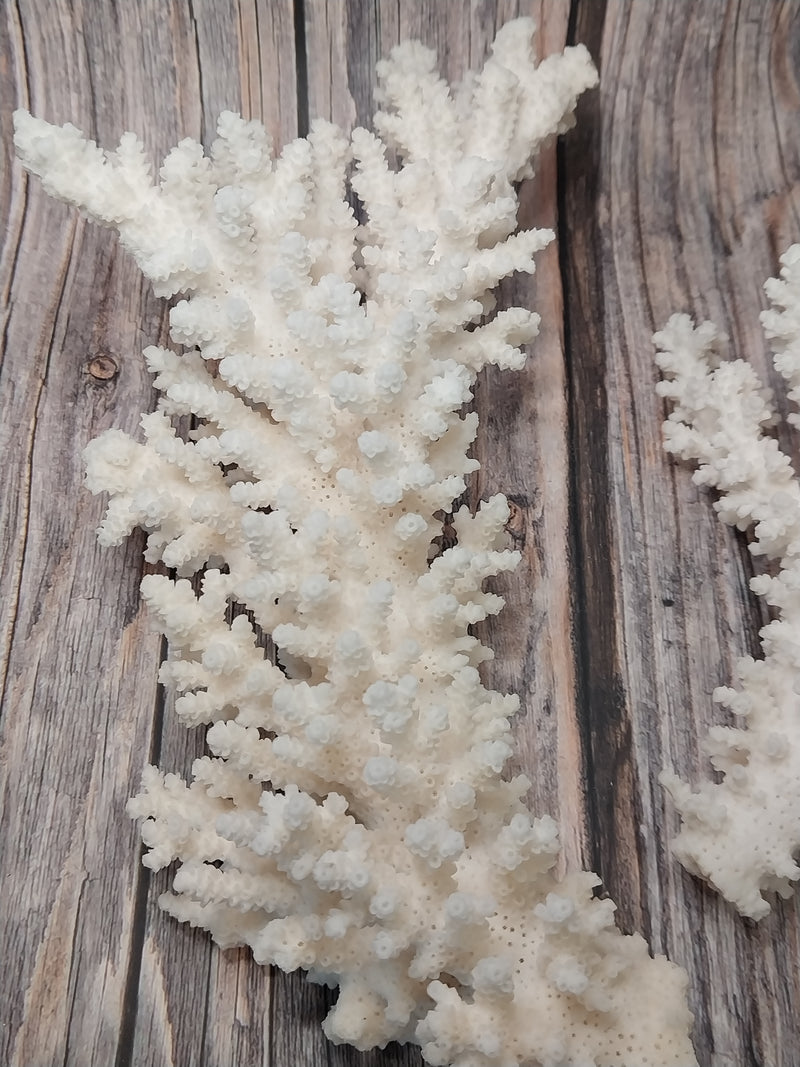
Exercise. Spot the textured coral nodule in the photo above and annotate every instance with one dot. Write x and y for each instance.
(352, 818)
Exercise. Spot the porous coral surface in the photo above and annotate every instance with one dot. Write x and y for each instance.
(352, 818)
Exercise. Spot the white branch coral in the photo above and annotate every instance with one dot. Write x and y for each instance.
(741, 834)
(352, 819)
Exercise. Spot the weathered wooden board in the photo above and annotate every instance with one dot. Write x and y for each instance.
(676, 191)
(92, 973)
(677, 196)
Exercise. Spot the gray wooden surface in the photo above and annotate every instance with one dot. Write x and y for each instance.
(677, 191)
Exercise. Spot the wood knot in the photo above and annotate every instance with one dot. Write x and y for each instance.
(103, 368)
(516, 519)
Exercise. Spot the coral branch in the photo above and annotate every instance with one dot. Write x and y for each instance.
(352, 819)
(741, 834)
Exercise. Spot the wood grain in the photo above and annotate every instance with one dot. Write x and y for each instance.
(664, 197)
(676, 192)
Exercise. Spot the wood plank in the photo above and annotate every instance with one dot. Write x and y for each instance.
(79, 664)
(343, 44)
(678, 189)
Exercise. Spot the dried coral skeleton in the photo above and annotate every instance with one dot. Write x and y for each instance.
(352, 819)
(741, 834)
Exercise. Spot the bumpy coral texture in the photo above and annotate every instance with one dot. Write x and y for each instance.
(352, 818)
(741, 834)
